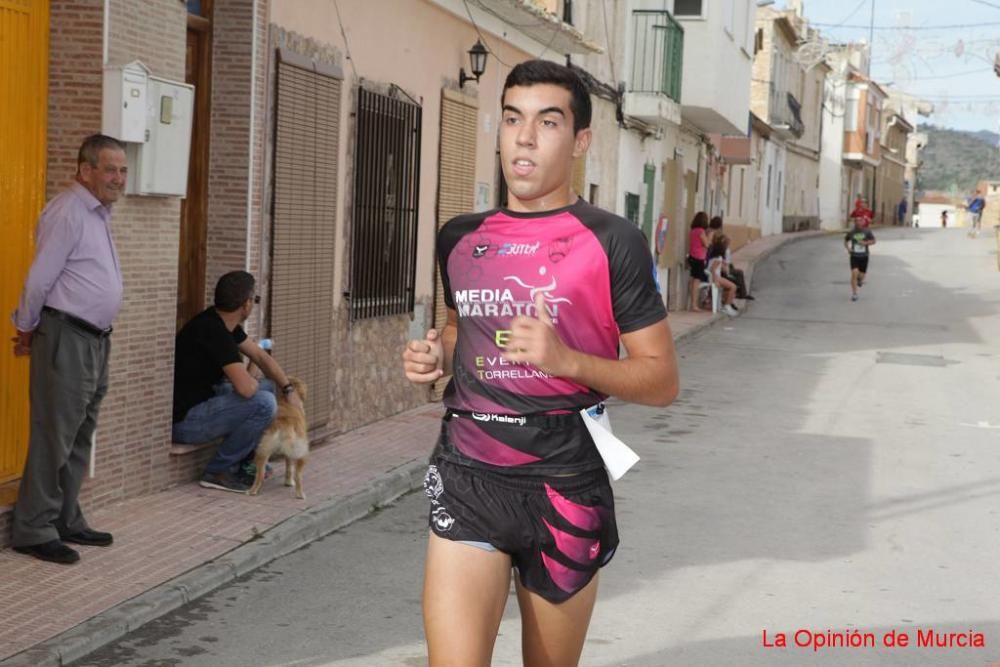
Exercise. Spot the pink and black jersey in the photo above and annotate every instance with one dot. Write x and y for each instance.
(595, 273)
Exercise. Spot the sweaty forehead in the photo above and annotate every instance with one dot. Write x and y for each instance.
(534, 98)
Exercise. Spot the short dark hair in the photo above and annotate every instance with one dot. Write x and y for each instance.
(700, 220)
(90, 149)
(715, 222)
(233, 289)
(535, 72)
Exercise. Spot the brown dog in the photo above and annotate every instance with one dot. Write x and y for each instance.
(286, 436)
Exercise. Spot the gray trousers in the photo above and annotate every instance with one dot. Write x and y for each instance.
(69, 377)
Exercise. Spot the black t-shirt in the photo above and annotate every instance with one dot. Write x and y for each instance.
(595, 273)
(203, 347)
(856, 238)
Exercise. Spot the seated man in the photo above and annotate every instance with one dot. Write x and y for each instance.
(214, 394)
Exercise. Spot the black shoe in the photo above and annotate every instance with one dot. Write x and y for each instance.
(224, 481)
(53, 551)
(90, 538)
(748, 297)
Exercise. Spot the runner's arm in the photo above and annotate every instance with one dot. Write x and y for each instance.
(648, 375)
(449, 334)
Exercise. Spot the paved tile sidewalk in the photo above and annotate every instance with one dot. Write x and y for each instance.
(162, 536)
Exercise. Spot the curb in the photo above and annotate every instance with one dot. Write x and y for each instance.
(293, 533)
(287, 536)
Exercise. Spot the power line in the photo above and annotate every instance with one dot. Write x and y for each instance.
(851, 15)
(988, 4)
(901, 27)
(481, 37)
(347, 45)
(607, 38)
(948, 76)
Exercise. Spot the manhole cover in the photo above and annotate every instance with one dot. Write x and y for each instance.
(907, 359)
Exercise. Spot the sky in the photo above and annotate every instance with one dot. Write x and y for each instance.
(939, 50)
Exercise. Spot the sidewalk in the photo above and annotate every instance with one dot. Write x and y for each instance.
(175, 546)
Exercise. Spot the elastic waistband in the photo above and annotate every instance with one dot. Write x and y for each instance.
(570, 483)
(537, 420)
(77, 322)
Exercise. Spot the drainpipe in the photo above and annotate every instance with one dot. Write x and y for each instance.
(107, 22)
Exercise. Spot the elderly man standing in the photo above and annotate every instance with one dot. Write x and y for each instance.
(72, 294)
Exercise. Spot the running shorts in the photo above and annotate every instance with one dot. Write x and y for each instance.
(860, 262)
(558, 531)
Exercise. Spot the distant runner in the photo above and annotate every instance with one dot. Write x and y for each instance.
(857, 241)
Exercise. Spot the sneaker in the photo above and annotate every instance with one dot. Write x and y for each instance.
(248, 470)
(224, 481)
(861, 283)
(730, 310)
(854, 297)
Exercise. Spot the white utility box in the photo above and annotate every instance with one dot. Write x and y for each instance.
(125, 90)
(159, 165)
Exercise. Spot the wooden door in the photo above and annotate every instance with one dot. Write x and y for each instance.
(194, 208)
(24, 48)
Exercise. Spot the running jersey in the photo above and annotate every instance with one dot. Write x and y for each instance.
(595, 274)
(856, 238)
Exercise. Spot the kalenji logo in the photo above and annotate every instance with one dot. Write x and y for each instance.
(522, 249)
(502, 419)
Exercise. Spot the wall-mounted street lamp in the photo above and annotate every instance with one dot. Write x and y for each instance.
(477, 61)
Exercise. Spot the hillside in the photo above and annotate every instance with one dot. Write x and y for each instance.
(956, 160)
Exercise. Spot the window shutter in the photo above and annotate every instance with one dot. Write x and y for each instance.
(307, 129)
(456, 182)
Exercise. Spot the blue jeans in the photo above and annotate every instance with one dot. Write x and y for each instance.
(241, 421)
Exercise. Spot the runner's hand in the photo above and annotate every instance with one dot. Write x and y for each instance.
(534, 340)
(22, 343)
(423, 360)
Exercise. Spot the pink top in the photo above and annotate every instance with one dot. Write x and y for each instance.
(698, 248)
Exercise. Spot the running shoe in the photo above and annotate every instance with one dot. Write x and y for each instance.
(224, 481)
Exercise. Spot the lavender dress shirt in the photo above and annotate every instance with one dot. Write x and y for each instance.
(76, 267)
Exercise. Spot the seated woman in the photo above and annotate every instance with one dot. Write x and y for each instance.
(717, 254)
(729, 270)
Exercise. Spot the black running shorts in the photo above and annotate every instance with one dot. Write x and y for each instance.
(859, 262)
(558, 531)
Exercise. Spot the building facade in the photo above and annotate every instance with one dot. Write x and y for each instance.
(327, 148)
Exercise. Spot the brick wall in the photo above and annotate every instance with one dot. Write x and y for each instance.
(134, 429)
(75, 81)
(236, 158)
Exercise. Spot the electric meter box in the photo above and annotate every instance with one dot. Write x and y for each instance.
(125, 90)
(159, 165)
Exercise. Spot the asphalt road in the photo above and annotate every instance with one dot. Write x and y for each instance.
(829, 466)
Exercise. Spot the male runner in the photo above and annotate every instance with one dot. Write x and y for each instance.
(857, 242)
(539, 296)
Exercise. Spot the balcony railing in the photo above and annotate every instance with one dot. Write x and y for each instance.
(657, 54)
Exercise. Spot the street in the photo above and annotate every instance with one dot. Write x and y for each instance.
(829, 466)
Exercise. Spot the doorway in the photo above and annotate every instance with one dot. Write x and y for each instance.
(194, 208)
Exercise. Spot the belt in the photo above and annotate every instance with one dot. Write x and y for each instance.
(537, 420)
(81, 324)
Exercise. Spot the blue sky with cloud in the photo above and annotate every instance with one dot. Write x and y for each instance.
(939, 50)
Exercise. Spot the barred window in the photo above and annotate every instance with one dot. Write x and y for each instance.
(384, 226)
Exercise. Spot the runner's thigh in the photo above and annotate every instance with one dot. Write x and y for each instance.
(465, 590)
